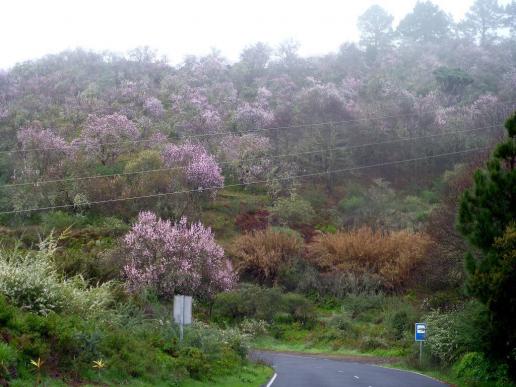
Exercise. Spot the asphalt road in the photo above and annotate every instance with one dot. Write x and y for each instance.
(307, 371)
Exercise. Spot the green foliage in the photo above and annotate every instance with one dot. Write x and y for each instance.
(363, 307)
(59, 220)
(268, 304)
(8, 358)
(351, 203)
(131, 344)
(380, 204)
(30, 281)
(293, 210)
(486, 215)
(474, 368)
(490, 205)
(452, 80)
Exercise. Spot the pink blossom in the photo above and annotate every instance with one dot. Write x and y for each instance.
(154, 107)
(200, 169)
(196, 115)
(255, 116)
(171, 258)
(51, 153)
(106, 137)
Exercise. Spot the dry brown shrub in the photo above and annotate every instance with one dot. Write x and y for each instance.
(391, 256)
(261, 255)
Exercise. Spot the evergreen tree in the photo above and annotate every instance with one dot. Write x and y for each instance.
(375, 26)
(483, 20)
(427, 23)
(487, 217)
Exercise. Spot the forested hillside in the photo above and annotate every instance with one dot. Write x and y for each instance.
(323, 188)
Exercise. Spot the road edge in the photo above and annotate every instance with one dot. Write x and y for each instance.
(273, 378)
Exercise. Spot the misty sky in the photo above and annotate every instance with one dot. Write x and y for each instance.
(33, 28)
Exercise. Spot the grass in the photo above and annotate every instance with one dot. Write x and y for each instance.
(441, 375)
(251, 375)
(254, 375)
(270, 343)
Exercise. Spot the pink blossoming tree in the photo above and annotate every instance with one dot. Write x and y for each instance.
(105, 138)
(196, 167)
(172, 258)
(247, 156)
(154, 107)
(44, 153)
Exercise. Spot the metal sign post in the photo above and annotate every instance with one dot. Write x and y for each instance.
(182, 312)
(420, 335)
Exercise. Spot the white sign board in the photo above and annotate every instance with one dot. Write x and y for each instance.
(183, 310)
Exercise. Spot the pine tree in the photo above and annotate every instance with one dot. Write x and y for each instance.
(487, 217)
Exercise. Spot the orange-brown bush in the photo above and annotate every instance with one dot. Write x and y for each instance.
(362, 252)
(262, 255)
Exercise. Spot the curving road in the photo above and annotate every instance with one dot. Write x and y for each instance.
(309, 371)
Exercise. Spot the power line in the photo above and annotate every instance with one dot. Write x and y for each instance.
(245, 184)
(349, 147)
(229, 133)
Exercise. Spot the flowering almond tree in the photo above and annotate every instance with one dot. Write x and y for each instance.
(171, 258)
(154, 107)
(199, 170)
(44, 152)
(103, 137)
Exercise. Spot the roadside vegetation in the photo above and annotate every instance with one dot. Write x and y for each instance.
(319, 205)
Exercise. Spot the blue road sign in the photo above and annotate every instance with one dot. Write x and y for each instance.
(420, 334)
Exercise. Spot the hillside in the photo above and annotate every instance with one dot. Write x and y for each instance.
(307, 203)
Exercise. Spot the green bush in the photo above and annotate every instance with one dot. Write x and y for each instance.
(363, 307)
(8, 357)
(300, 308)
(398, 324)
(130, 344)
(60, 220)
(30, 281)
(351, 203)
(475, 368)
(293, 210)
(259, 303)
(343, 324)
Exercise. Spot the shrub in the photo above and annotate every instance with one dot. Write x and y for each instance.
(351, 203)
(252, 220)
(399, 323)
(60, 220)
(475, 368)
(300, 308)
(390, 256)
(341, 284)
(7, 359)
(293, 210)
(31, 282)
(452, 334)
(368, 343)
(254, 328)
(343, 324)
(264, 254)
(363, 306)
(268, 304)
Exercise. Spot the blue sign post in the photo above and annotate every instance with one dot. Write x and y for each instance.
(420, 335)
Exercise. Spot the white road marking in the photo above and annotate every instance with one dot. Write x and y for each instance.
(272, 380)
